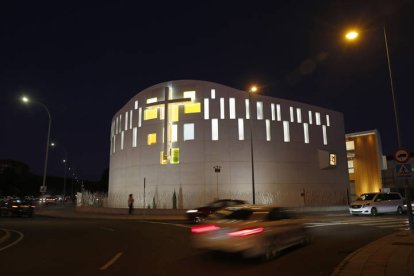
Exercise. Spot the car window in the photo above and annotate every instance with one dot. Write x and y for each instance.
(380, 197)
(393, 197)
(369, 196)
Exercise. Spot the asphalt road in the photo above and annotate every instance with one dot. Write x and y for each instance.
(55, 246)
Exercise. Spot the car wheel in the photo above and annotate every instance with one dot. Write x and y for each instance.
(400, 210)
(198, 219)
(374, 211)
(272, 249)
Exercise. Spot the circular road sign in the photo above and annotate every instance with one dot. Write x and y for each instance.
(402, 155)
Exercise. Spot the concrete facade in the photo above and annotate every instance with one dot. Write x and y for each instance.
(208, 125)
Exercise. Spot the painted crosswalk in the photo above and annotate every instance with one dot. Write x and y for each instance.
(398, 223)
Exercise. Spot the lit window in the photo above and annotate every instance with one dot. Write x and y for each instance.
(241, 129)
(111, 146)
(140, 117)
(232, 108)
(328, 123)
(292, 115)
(325, 138)
(136, 105)
(130, 119)
(134, 137)
(174, 112)
(268, 135)
(247, 109)
(272, 110)
(332, 159)
(163, 158)
(214, 129)
(206, 109)
(122, 140)
(120, 123)
(192, 108)
(278, 112)
(299, 115)
(174, 134)
(350, 145)
(152, 138)
(222, 111)
(310, 117)
(190, 94)
(150, 113)
(286, 134)
(126, 120)
(188, 132)
(318, 118)
(175, 156)
(112, 128)
(213, 93)
(351, 166)
(152, 100)
(306, 132)
(116, 127)
(259, 110)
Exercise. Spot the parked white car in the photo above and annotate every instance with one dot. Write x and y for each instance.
(253, 230)
(377, 203)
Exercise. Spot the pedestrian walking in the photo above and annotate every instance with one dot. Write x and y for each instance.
(130, 204)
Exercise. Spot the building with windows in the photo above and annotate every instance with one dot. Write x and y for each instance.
(168, 141)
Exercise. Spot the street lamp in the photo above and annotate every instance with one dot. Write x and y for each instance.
(252, 89)
(26, 100)
(352, 35)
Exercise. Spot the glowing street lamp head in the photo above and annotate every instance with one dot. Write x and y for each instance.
(351, 35)
(25, 99)
(253, 88)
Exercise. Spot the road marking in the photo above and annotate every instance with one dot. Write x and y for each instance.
(6, 236)
(111, 261)
(15, 242)
(107, 229)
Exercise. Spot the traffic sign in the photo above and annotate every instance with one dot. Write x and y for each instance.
(402, 155)
(403, 170)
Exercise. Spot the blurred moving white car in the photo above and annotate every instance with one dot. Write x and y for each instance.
(253, 230)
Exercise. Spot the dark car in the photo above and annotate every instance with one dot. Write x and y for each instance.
(199, 214)
(17, 207)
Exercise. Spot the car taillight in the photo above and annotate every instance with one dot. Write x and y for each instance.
(204, 228)
(246, 232)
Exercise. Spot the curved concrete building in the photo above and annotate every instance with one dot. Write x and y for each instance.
(184, 143)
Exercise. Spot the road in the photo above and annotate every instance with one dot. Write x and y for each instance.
(58, 246)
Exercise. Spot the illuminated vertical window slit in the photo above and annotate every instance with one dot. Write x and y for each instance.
(130, 119)
(134, 137)
(241, 128)
(278, 112)
(247, 109)
(174, 134)
(259, 106)
(318, 118)
(206, 109)
(222, 111)
(306, 132)
(268, 133)
(325, 137)
(214, 130)
(188, 132)
(328, 123)
(292, 115)
(136, 105)
(232, 108)
(213, 93)
(299, 115)
(272, 110)
(286, 133)
(310, 117)
(126, 120)
(122, 140)
(140, 117)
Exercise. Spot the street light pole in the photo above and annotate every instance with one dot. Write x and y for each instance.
(252, 90)
(43, 187)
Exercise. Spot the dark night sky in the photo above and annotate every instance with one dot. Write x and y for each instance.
(84, 62)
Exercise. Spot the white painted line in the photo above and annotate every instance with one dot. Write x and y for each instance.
(6, 236)
(15, 242)
(111, 261)
(107, 229)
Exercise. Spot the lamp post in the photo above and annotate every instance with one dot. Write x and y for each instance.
(352, 35)
(252, 89)
(43, 187)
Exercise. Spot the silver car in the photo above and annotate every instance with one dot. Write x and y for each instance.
(253, 230)
(377, 203)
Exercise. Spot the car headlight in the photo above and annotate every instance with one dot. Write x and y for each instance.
(192, 211)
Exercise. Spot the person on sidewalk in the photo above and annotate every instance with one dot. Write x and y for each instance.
(130, 204)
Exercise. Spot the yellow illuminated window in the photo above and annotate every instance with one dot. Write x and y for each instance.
(175, 156)
(332, 159)
(192, 108)
(163, 158)
(152, 100)
(150, 113)
(174, 113)
(152, 138)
